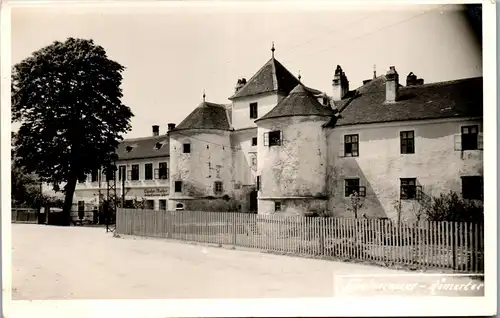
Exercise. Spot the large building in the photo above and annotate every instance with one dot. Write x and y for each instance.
(283, 147)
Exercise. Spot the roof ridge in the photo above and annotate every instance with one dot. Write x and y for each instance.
(141, 138)
(445, 82)
(211, 104)
(273, 74)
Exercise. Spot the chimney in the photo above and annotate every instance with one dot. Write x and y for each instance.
(412, 80)
(391, 85)
(240, 84)
(156, 130)
(171, 126)
(340, 84)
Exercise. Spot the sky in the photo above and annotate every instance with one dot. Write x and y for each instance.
(172, 53)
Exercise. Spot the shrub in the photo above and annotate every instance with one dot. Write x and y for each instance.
(450, 207)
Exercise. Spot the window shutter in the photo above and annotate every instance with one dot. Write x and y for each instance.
(362, 191)
(458, 142)
(281, 137)
(157, 174)
(266, 139)
(418, 192)
(341, 150)
(480, 141)
(129, 175)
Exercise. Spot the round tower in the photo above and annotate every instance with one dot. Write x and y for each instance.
(201, 161)
(292, 155)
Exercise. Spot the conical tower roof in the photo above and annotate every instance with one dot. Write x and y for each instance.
(272, 77)
(300, 102)
(206, 116)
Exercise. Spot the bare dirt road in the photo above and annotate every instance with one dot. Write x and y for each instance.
(87, 263)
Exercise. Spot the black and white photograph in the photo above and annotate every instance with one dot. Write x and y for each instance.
(260, 154)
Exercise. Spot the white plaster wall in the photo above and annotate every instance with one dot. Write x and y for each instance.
(243, 152)
(210, 160)
(297, 168)
(380, 165)
(241, 109)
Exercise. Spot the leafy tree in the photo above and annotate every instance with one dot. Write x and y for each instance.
(66, 96)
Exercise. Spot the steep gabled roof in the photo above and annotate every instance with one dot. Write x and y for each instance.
(300, 102)
(458, 98)
(206, 116)
(148, 147)
(272, 77)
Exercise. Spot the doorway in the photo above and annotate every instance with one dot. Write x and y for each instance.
(253, 201)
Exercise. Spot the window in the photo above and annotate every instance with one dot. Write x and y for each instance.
(178, 186)
(408, 189)
(150, 205)
(163, 171)
(472, 188)
(121, 173)
(179, 206)
(258, 183)
(254, 162)
(253, 110)
(158, 145)
(254, 141)
(277, 206)
(148, 171)
(135, 173)
(217, 187)
(187, 148)
(129, 148)
(470, 137)
(351, 186)
(272, 138)
(351, 145)
(94, 175)
(162, 204)
(407, 142)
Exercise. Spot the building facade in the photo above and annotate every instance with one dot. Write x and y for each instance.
(142, 175)
(283, 147)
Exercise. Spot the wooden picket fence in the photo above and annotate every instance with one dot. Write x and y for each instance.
(450, 245)
(24, 215)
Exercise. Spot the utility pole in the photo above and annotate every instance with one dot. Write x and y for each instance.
(123, 187)
(99, 193)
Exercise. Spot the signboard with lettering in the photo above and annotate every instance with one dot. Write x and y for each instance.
(156, 192)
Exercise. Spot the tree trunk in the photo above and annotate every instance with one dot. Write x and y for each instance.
(68, 199)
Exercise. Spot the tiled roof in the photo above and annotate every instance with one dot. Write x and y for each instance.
(459, 98)
(206, 116)
(272, 77)
(143, 148)
(300, 102)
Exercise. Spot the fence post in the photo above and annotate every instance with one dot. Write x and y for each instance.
(453, 245)
(322, 236)
(234, 228)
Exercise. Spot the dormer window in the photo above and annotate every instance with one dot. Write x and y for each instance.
(158, 145)
(129, 148)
